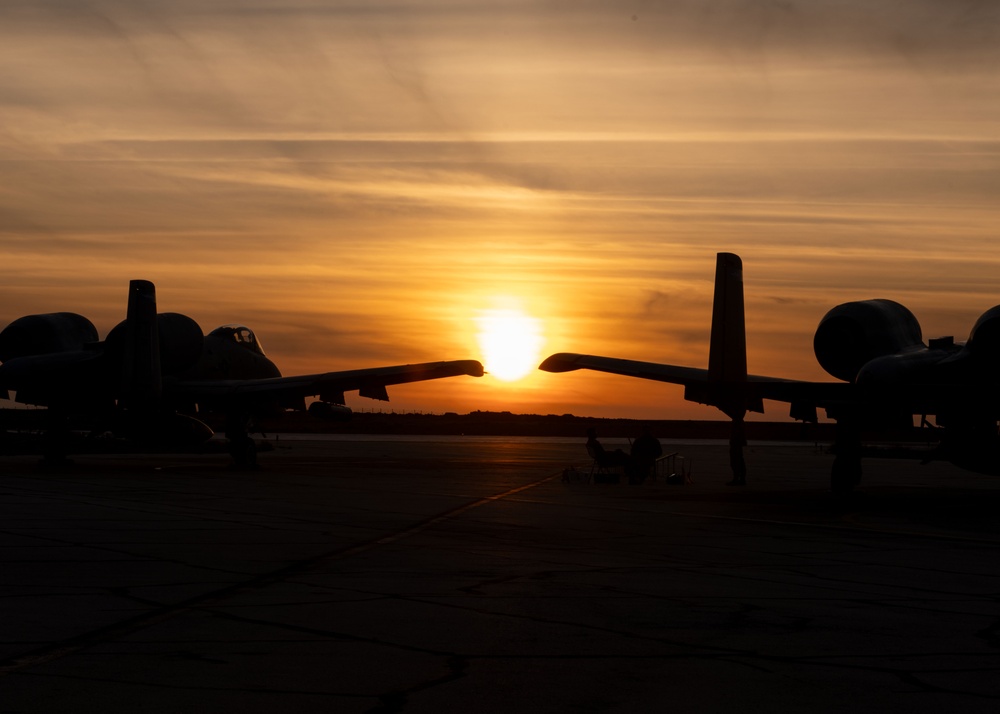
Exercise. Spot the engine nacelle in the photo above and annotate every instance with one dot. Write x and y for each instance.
(853, 334)
(45, 334)
(984, 340)
(181, 341)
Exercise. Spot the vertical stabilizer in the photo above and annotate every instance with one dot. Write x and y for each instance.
(141, 376)
(727, 352)
(727, 358)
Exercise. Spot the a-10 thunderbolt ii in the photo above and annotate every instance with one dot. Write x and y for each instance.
(887, 375)
(154, 373)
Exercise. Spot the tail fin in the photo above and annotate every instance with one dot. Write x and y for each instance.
(727, 352)
(142, 384)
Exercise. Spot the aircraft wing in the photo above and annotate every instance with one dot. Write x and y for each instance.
(800, 394)
(569, 362)
(329, 386)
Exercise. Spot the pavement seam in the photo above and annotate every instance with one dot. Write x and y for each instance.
(139, 622)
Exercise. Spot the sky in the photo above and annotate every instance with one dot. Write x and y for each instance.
(369, 183)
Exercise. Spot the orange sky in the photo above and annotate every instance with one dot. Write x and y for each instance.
(359, 182)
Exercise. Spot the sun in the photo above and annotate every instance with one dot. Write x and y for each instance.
(511, 342)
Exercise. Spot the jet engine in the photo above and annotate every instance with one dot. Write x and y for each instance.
(46, 334)
(181, 342)
(984, 340)
(180, 338)
(854, 333)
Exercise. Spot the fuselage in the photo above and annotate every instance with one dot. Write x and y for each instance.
(232, 352)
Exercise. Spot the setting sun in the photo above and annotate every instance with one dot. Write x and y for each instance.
(511, 342)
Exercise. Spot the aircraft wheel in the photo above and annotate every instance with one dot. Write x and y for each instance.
(244, 452)
(846, 475)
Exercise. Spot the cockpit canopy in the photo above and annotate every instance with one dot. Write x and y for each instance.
(241, 335)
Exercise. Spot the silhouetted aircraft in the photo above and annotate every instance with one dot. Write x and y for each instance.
(153, 372)
(888, 375)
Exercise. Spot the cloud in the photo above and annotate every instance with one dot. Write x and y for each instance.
(356, 180)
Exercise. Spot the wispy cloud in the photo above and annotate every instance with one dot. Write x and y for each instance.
(355, 180)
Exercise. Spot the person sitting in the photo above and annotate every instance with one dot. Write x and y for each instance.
(605, 460)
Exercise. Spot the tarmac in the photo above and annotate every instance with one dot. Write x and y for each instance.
(466, 575)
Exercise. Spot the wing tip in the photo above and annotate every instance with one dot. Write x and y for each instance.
(474, 368)
(560, 362)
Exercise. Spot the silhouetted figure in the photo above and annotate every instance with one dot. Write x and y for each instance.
(646, 450)
(603, 458)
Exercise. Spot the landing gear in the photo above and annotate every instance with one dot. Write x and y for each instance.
(737, 462)
(846, 472)
(242, 448)
(56, 440)
(244, 452)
